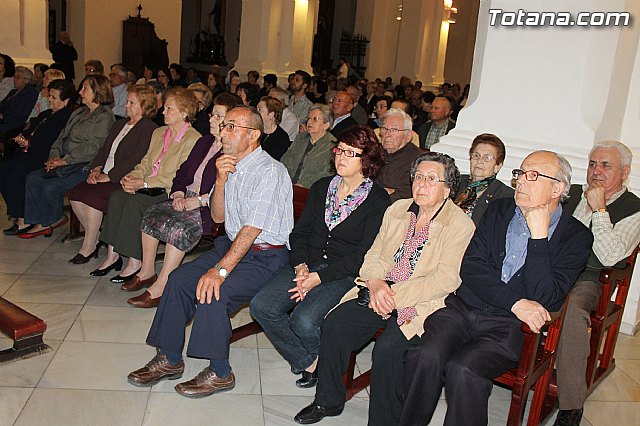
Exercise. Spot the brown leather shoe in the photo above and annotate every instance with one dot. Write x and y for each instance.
(156, 370)
(136, 283)
(206, 383)
(144, 301)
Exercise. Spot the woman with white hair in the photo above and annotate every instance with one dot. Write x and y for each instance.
(15, 108)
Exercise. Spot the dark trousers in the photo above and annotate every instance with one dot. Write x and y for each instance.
(462, 349)
(573, 347)
(13, 179)
(348, 328)
(211, 329)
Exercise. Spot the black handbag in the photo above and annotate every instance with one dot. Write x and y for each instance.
(65, 171)
(153, 192)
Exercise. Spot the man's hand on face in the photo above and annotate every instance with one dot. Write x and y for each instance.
(538, 219)
(595, 196)
(225, 165)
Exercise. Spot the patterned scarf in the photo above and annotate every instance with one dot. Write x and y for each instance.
(406, 259)
(336, 210)
(467, 199)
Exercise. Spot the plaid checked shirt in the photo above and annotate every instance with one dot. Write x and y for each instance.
(610, 243)
(259, 194)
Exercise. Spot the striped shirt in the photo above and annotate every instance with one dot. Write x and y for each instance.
(610, 243)
(259, 194)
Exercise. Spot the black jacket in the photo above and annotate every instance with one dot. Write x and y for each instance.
(495, 190)
(344, 247)
(549, 272)
(343, 125)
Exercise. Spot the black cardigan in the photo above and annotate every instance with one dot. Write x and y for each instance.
(344, 247)
(549, 272)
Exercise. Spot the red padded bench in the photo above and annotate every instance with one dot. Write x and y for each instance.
(25, 329)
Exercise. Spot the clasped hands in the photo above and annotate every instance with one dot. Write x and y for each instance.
(381, 297)
(305, 282)
(96, 176)
(180, 203)
(52, 163)
(131, 184)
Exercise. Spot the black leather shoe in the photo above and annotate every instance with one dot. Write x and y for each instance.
(14, 230)
(314, 413)
(308, 380)
(117, 265)
(568, 417)
(80, 259)
(119, 279)
(296, 371)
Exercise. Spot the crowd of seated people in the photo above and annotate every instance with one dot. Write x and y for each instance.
(392, 236)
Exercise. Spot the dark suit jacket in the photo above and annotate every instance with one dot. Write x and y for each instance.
(495, 190)
(343, 125)
(65, 55)
(42, 132)
(423, 131)
(186, 172)
(131, 149)
(549, 272)
(16, 109)
(345, 245)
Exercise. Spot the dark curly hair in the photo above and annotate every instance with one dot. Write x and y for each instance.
(451, 172)
(373, 154)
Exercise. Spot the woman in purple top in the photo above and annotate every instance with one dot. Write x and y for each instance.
(185, 217)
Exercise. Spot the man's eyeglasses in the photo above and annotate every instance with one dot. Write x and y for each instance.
(347, 152)
(429, 180)
(391, 130)
(530, 175)
(485, 157)
(231, 127)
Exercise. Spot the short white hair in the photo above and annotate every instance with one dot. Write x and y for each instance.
(626, 156)
(406, 118)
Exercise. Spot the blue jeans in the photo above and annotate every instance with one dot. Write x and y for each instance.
(292, 327)
(44, 197)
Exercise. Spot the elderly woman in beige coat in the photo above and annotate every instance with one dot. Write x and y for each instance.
(411, 267)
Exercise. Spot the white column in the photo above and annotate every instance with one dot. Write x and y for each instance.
(410, 42)
(276, 36)
(24, 31)
(560, 89)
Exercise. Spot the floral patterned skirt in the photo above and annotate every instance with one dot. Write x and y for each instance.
(181, 229)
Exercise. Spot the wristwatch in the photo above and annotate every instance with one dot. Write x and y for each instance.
(223, 272)
(603, 210)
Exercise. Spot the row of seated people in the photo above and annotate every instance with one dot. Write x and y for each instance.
(392, 267)
(345, 199)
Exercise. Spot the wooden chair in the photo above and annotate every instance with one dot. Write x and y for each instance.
(605, 321)
(534, 371)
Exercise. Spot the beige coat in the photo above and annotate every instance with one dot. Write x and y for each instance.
(437, 272)
(175, 156)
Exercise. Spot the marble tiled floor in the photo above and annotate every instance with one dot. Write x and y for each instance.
(96, 339)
